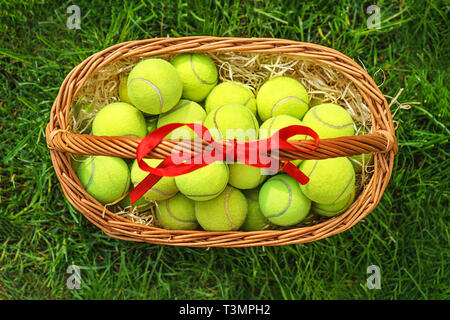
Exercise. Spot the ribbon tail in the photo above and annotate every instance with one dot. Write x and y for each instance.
(295, 173)
(145, 185)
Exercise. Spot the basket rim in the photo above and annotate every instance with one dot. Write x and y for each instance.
(61, 142)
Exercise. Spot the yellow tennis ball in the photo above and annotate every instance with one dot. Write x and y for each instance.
(224, 213)
(123, 90)
(154, 86)
(184, 112)
(329, 120)
(244, 176)
(282, 202)
(282, 95)
(119, 119)
(334, 209)
(255, 219)
(230, 92)
(274, 124)
(177, 213)
(232, 121)
(330, 180)
(104, 178)
(198, 73)
(205, 183)
(162, 190)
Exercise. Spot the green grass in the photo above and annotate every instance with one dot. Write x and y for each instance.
(407, 235)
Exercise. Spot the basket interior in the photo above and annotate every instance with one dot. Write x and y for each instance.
(323, 83)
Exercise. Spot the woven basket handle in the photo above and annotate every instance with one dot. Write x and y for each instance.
(125, 147)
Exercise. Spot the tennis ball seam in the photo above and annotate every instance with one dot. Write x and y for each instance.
(174, 217)
(92, 175)
(270, 127)
(337, 210)
(161, 102)
(253, 120)
(162, 192)
(343, 191)
(283, 100)
(329, 124)
(196, 75)
(227, 196)
(312, 169)
(215, 120)
(202, 195)
(174, 109)
(289, 202)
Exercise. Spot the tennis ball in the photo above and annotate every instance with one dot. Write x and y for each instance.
(224, 213)
(330, 180)
(274, 124)
(123, 90)
(255, 219)
(119, 119)
(331, 210)
(282, 95)
(244, 176)
(151, 124)
(205, 183)
(76, 160)
(198, 74)
(154, 86)
(177, 213)
(329, 120)
(282, 202)
(104, 178)
(185, 112)
(230, 92)
(162, 190)
(232, 121)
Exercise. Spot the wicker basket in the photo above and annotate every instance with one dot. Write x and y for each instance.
(61, 142)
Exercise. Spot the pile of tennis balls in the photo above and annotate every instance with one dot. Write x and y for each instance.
(220, 196)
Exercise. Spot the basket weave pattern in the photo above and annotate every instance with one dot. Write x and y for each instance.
(61, 142)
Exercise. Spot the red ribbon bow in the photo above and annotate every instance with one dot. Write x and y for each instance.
(246, 152)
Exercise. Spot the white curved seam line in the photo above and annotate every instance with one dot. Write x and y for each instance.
(92, 174)
(200, 195)
(328, 124)
(173, 110)
(227, 196)
(174, 217)
(336, 211)
(161, 192)
(283, 100)
(346, 187)
(215, 120)
(289, 202)
(197, 76)
(156, 89)
(314, 167)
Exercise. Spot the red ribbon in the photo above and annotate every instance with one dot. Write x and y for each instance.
(238, 151)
